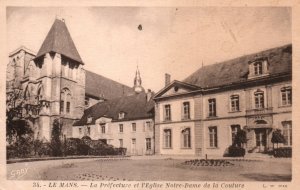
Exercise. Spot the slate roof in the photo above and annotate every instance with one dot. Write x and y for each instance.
(135, 107)
(104, 88)
(59, 40)
(236, 70)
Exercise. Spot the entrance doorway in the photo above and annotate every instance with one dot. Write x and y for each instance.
(261, 139)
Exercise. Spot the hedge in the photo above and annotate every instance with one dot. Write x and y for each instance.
(234, 151)
(285, 152)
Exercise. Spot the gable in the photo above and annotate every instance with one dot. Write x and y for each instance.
(176, 88)
(103, 120)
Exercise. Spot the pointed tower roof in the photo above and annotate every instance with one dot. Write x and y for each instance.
(59, 40)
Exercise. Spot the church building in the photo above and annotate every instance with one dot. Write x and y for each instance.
(53, 83)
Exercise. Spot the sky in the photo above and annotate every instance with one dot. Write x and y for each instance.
(174, 40)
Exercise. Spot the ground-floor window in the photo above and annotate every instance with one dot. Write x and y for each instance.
(148, 143)
(121, 143)
(186, 138)
(234, 130)
(167, 138)
(287, 132)
(213, 137)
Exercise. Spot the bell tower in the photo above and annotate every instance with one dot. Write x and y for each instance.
(62, 76)
(138, 82)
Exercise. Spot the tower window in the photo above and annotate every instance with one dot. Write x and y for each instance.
(68, 107)
(62, 106)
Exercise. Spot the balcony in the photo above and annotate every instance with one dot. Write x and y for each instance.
(261, 111)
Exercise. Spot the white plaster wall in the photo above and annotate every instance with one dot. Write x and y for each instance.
(176, 139)
(176, 108)
(223, 134)
(223, 104)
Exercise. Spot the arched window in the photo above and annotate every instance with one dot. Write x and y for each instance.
(40, 92)
(186, 138)
(65, 101)
(259, 99)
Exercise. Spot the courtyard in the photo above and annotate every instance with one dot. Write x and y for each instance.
(153, 168)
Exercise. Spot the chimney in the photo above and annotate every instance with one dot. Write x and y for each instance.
(167, 79)
(149, 95)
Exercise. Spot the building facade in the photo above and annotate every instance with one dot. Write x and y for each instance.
(202, 114)
(53, 84)
(126, 122)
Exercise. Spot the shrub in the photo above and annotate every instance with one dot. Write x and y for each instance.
(277, 137)
(234, 151)
(285, 152)
(56, 145)
(240, 138)
(71, 147)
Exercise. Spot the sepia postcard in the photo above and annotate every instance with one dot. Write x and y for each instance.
(149, 95)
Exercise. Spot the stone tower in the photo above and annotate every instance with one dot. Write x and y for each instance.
(53, 83)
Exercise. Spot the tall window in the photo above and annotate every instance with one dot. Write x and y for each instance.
(133, 141)
(167, 138)
(148, 143)
(234, 103)
(213, 137)
(121, 128)
(68, 107)
(234, 131)
(167, 112)
(121, 143)
(212, 107)
(287, 132)
(186, 110)
(186, 138)
(258, 68)
(259, 99)
(80, 131)
(286, 96)
(133, 126)
(65, 101)
(102, 128)
(148, 126)
(88, 130)
(62, 106)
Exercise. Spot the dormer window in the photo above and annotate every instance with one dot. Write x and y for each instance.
(258, 68)
(89, 120)
(121, 115)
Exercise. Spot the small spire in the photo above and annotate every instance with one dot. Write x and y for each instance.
(138, 81)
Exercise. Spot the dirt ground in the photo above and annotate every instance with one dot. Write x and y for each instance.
(166, 170)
